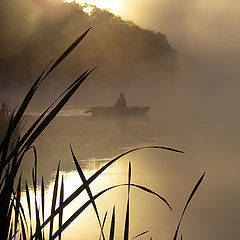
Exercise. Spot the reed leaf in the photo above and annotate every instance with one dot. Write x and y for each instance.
(23, 228)
(140, 234)
(28, 200)
(126, 228)
(187, 203)
(60, 204)
(54, 199)
(68, 50)
(17, 205)
(38, 228)
(54, 112)
(112, 228)
(81, 174)
(42, 198)
(152, 192)
(34, 125)
(103, 224)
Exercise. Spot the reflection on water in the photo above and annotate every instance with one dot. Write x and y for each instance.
(146, 211)
(209, 145)
(94, 141)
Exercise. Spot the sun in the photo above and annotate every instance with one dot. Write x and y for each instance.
(110, 5)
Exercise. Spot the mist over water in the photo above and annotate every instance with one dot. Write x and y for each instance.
(196, 111)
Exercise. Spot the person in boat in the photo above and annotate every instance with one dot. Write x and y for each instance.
(121, 102)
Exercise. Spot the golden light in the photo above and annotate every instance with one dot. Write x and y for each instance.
(110, 5)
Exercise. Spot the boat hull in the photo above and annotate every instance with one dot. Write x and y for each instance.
(116, 112)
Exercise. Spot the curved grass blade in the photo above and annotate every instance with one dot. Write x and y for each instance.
(81, 174)
(95, 175)
(152, 192)
(187, 203)
(140, 234)
(112, 228)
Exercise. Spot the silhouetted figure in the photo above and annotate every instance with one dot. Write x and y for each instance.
(121, 102)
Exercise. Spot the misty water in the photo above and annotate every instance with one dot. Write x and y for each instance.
(172, 175)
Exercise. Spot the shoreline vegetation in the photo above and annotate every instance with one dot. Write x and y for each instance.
(20, 223)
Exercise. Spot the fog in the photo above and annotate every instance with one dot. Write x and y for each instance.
(194, 109)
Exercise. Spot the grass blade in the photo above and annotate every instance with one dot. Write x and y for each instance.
(54, 111)
(60, 204)
(140, 234)
(112, 228)
(54, 199)
(126, 228)
(187, 203)
(103, 224)
(23, 228)
(42, 197)
(81, 174)
(17, 205)
(152, 192)
(28, 199)
(68, 50)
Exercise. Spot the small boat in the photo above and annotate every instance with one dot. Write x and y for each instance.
(113, 111)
